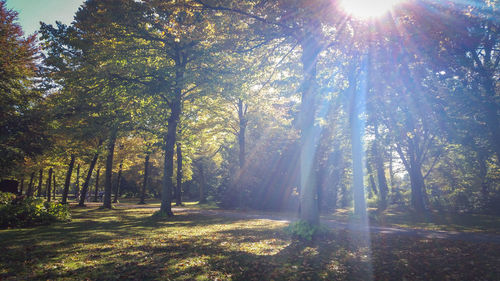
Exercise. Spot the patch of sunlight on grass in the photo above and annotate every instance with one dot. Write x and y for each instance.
(310, 251)
(267, 247)
(187, 263)
(433, 220)
(129, 244)
(336, 267)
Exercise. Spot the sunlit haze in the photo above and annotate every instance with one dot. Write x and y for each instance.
(366, 9)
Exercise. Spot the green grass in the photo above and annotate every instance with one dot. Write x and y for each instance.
(129, 244)
(431, 221)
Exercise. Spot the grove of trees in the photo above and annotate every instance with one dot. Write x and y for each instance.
(270, 105)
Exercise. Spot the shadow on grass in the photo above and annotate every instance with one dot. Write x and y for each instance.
(132, 245)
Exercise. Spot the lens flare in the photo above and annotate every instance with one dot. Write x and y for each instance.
(367, 9)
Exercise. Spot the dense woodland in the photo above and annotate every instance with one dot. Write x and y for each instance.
(269, 105)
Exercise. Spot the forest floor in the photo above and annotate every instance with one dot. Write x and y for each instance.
(392, 218)
(127, 243)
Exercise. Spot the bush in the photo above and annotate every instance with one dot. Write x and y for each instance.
(22, 211)
(302, 230)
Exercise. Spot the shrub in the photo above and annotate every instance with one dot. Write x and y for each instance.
(302, 230)
(22, 211)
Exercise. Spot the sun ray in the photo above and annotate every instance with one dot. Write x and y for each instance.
(368, 9)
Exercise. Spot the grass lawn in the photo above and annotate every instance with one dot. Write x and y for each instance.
(431, 221)
(129, 244)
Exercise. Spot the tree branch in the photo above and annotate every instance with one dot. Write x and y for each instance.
(243, 13)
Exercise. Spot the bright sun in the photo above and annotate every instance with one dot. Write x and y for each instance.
(366, 9)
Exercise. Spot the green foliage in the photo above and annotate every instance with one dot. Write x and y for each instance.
(302, 230)
(6, 197)
(22, 211)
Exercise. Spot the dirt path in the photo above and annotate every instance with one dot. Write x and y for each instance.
(284, 217)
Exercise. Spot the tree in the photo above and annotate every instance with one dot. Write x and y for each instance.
(302, 23)
(21, 115)
(67, 181)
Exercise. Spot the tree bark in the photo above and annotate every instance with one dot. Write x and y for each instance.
(171, 137)
(373, 186)
(109, 169)
(357, 130)
(178, 195)
(96, 191)
(391, 171)
(242, 131)
(417, 188)
(379, 166)
(22, 185)
(118, 183)
(77, 183)
(491, 111)
(414, 169)
(30, 186)
(40, 180)
(202, 199)
(55, 186)
(145, 182)
(168, 171)
(83, 193)
(68, 179)
(308, 209)
(49, 181)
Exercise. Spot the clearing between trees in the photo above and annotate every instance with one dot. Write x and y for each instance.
(128, 243)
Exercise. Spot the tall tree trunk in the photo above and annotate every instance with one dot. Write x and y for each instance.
(202, 199)
(357, 130)
(145, 182)
(168, 171)
(382, 183)
(77, 183)
(308, 208)
(483, 173)
(49, 181)
(178, 195)
(491, 111)
(414, 169)
(96, 191)
(67, 181)
(417, 188)
(373, 186)
(83, 193)
(391, 171)
(109, 169)
(40, 180)
(180, 59)
(335, 194)
(379, 166)
(30, 186)
(22, 185)
(118, 183)
(242, 131)
(55, 186)
(321, 178)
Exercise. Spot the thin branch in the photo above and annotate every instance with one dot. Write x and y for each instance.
(477, 60)
(237, 11)
(401, 155)
(189, 90)
(432, 166)
(497, 62)
(166, 100)
(276, 68)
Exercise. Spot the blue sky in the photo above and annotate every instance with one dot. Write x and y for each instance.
(31, 12)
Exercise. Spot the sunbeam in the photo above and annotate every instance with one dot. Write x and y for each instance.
(366, 9)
